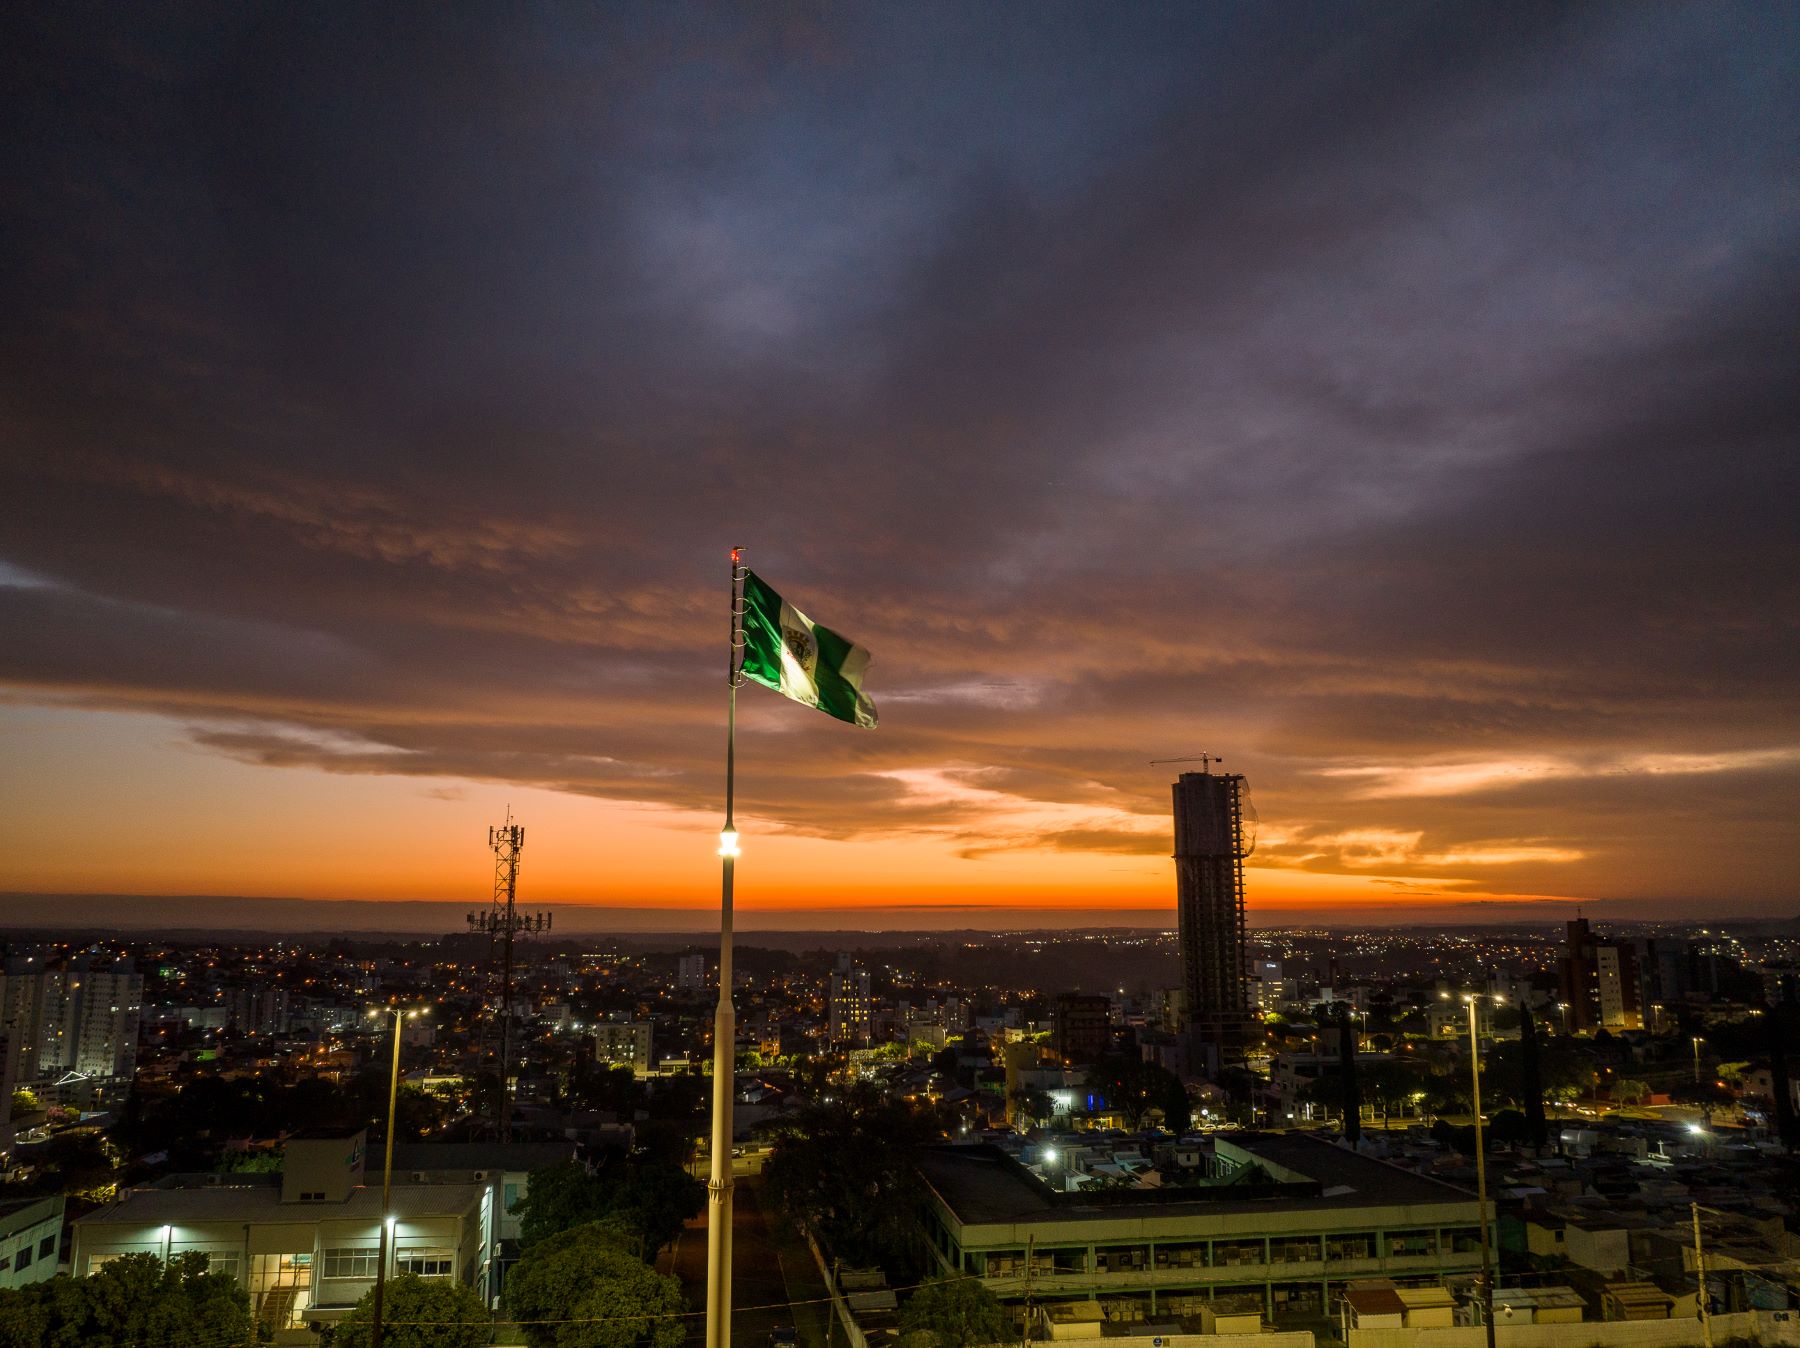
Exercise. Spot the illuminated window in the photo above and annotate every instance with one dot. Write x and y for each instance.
(353, 1261)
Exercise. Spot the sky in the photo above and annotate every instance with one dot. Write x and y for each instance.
(1397, 400)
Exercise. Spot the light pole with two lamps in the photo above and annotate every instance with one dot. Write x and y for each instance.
(387, 1171)
(1472, 1000)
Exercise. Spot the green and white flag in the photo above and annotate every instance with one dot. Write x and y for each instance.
(789, 652)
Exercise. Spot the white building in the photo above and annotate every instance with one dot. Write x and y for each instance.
(304, 1244)
(30, 1232)
(76, 1026)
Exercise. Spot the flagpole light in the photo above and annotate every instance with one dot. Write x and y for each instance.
(728, 842)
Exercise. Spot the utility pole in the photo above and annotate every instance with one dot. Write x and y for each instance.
(1030, 1263)
(1700, 1294)
(1487, 1258)
(502, 922)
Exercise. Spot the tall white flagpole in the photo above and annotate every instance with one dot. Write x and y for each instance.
(718, 1190)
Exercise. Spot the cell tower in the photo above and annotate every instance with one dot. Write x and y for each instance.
(502, 922)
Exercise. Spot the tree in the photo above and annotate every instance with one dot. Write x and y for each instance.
(558, 1197)
(1390, 1081)
(649, 1198)
(1778, 1024)
(1031, 1105)
(658, 1198)
(1448, 1094)
(1537, 1130)
(1347, 1068)
(956, 1312)
(1136, 1088)
(846, 1168)
(419, 1313)
(583, 1288)
(134, 1299)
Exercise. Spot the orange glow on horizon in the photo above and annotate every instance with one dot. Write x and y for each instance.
(148, 816)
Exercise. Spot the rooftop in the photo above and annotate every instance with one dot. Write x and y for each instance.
(181, 1207)
(981, 1184)
(410, 1156)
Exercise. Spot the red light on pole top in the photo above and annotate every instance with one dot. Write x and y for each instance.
(734, 555)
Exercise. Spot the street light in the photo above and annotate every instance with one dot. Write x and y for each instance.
(1697, 1042)
(1702, 1298)
(387, 1174)
(1487, 1260)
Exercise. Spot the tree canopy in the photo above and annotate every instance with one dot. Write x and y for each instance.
(583, 1288)
(651, 1197)
(956, 1312)
(1135, 1088)
(847, 1169)
(419, 1313)
(132, 1300)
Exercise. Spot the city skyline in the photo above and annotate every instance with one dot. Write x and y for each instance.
(1394, 402)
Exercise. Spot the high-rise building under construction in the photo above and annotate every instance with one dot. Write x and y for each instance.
(1210, 847)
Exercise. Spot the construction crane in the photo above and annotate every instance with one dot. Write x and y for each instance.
(1204, 760)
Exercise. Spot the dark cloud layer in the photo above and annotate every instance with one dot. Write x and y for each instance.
(1399, 398)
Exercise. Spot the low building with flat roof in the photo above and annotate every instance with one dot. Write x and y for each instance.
(1289, 1219)
(303, 1244)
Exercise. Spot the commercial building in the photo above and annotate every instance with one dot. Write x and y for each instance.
(1286, 1220)
(1210, 849)
(304, 1243)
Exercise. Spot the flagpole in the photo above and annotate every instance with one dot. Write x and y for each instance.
(718, 1190)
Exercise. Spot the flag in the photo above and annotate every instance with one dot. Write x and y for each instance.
(789, 652)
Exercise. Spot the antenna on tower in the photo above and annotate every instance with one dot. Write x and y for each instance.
(502, 922)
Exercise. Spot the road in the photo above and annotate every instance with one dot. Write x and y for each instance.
(770, 1270)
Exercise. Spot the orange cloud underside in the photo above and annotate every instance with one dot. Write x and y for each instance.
(125, 805)
(122, 805)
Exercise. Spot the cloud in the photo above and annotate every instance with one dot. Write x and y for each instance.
(1399, 407)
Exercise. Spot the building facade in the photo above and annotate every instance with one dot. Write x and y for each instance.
(75, 1025)
(624, 1043)
(1210, 849)
(30, 1240)
(848, 1010)
(1287, 1222)
(303, 1244)
(1600, 981)
(1084, 1029)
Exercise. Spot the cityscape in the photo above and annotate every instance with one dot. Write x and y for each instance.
(838, 675)
(1204, 1130)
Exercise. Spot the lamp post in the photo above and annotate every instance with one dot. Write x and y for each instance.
(1487, 1262)
(387, 1179)
(1697, 1042)
(1701, 1299)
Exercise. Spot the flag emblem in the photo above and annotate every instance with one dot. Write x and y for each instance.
(801, 659)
